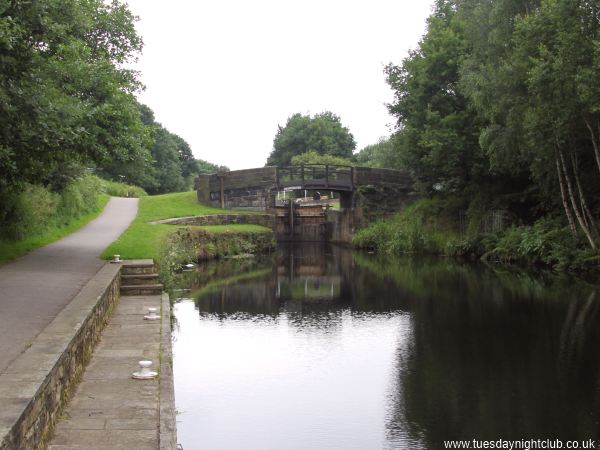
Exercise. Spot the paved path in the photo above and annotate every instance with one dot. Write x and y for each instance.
(36, 287)
(109, 410)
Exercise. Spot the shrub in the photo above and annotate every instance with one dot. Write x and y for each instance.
(546, 242)
(35, 209)
(32, 212)
(117, 189)
(414, 230)
(423, 228)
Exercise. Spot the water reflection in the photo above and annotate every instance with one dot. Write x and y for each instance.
(422, 350)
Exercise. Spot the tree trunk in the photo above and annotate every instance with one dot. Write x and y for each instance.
(565, 201)
(594, 141)
(587, 214)
(580, 220)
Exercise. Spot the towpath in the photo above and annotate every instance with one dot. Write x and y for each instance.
(36, 287)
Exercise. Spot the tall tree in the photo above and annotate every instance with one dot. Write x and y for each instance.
(65, 94)
(539, 88)
(438, 129)
(323, 134)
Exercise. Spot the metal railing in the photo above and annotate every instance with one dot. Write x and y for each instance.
(316, 176)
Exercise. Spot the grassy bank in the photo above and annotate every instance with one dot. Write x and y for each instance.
(144, 239)
(431, 227)
(35, 216)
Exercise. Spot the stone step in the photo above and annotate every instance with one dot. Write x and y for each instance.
(139, 279)
(138, 266)
(144, 289)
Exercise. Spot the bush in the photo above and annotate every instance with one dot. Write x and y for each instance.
(32, 212)
(547, 242)
(35, 209)
(423, 228)
(414, 230)
(117, 189)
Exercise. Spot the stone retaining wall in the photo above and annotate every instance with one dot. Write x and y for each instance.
(266, 220)
(38, 384)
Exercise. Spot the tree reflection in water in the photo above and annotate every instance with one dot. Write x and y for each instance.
(489, 354)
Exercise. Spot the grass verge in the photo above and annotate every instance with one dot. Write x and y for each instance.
(143, 239)
(11, 249)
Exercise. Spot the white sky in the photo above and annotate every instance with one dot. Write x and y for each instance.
(224, 74)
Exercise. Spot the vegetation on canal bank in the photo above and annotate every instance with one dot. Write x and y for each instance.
(144, 239)
(497, 113)
(37, 216)
(193, 244)
(430, 226)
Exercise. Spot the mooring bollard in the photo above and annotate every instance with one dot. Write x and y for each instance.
(152, 314)
(145, 373)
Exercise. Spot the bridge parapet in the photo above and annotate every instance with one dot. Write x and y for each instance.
(316, 176)
(256, 188)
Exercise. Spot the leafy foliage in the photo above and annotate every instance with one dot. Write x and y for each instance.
(438, 128)
(312, 157)
(65, 96)
(498, 107)
(169, 166)
(208, 168)
(419, 229)
(323, 134)
(36, 209)
(382, 154)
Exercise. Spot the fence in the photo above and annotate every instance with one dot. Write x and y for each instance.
(493, 221)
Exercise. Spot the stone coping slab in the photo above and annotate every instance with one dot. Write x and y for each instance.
(264, 219)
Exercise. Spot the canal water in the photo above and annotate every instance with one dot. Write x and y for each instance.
(318, 347)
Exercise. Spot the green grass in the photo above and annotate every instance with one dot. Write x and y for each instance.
(142, 239)
(10, 250)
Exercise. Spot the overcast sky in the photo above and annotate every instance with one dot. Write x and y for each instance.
(223, 74)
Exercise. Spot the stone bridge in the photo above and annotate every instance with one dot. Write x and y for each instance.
(364, 192)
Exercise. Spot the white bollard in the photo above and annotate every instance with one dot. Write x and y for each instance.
(145, 373)
(152, 314)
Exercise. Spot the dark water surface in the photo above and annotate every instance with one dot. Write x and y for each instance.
(318, 347)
